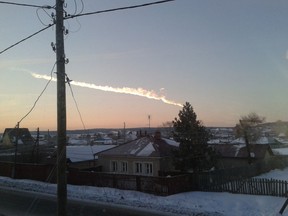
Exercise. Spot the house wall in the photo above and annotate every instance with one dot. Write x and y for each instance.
(224, 163)
(166, 164)
(6, 141)
(241, 162)
(107, 166)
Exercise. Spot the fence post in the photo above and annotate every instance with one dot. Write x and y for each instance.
(138, 183)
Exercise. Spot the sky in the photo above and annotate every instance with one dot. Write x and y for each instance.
(226, 58)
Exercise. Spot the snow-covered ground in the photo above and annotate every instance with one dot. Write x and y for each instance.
(189, 203)
(178, 204)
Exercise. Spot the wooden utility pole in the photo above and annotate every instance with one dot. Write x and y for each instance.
(16, 150)
(61, 113)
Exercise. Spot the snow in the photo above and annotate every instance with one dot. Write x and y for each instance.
(171, 142)
(238, 147)
(147, 150)
(276, 174)
(238, 141)
(81, 153)
(280, 151)
(263, 140)
(73, 141)
(189, 203)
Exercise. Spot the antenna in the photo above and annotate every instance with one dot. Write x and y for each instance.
(149, 118)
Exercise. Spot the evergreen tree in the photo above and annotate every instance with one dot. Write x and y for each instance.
(194, 152)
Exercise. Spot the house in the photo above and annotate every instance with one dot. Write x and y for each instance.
(264, 140)
(19, 135)
(237, 155)
(145, 156)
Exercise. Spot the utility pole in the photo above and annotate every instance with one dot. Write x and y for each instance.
(149, 117)
(124, 133)
(16, 150)
(61, 113)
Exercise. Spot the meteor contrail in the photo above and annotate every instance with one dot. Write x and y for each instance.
(124, 90)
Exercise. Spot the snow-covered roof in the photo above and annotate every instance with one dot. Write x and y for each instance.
(83, 153)
(171, 142)
(280, 151)
(261, 140)
(143, 147)
(240, 150)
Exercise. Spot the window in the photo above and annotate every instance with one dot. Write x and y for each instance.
(138, 168)
(148, 168)
(114, 166)
(143, 168)
(124, 167)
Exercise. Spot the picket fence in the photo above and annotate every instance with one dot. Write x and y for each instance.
(252, 186)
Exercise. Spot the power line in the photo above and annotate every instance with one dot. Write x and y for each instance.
(39, 95)
(117, 9)
(77, 15)
(37, 13)
(26, 38)
(26, 5)
(76, 104)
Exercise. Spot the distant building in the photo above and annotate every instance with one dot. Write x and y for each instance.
(237, 155)
(20, 135)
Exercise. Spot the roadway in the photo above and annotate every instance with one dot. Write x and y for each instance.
(14, 203)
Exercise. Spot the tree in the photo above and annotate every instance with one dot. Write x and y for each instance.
(248, 127)
(167, 129)
(194, 152)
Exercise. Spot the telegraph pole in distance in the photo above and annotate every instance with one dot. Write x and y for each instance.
(61, 113)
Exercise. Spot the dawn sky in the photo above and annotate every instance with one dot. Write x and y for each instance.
(227, 58)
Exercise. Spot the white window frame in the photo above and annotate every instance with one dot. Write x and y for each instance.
(124, 166)
(138, 168)
(114, 166)
(143, 168)
(148, 168)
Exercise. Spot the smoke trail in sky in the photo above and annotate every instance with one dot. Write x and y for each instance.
(124, 90)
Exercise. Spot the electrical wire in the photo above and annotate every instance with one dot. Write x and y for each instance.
(75, 11)
(26, 38)
(26, 5)
(78, 15)
(82, 9)
(117, 9)
(37, 13)
(76, 104)
(51, 73)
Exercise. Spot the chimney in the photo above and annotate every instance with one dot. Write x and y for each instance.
(157, 135)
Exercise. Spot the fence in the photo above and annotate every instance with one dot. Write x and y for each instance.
(218, 181)
(148, 184)
(38, 172)
(252, 186)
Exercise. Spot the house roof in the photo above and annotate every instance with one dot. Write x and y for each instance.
(143, 147)
(22, 134)
(258, 151)
(262, 140)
